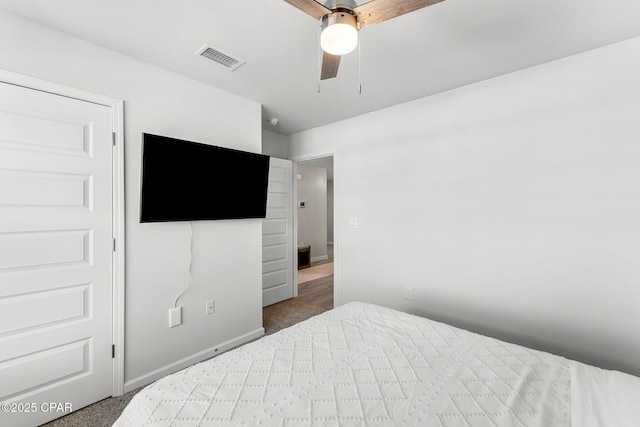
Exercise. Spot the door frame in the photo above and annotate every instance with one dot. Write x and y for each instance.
(303, 158)
(118, 218)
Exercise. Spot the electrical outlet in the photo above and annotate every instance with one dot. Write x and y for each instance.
(175, 316)
(210, 307)
(408, 292)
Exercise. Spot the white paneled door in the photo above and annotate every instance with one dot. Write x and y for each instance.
(277, 235)
(56, 252)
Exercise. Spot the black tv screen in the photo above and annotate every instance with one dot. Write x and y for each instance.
(186, 181)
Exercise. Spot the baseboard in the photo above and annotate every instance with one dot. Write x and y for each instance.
(319, 258)
(191, 360)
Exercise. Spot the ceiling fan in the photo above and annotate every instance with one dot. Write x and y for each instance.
(342, 19)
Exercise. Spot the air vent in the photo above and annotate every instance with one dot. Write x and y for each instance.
(227, 61)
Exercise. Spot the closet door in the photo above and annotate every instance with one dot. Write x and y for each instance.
(56, 250)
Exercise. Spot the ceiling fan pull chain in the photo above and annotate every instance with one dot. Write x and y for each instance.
(359, 64)
(319, 58)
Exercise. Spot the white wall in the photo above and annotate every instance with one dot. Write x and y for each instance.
(275, 144)
(511, 206)
(227, 255)
(312, 219)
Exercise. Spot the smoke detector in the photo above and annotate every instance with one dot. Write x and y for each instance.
(274, 121)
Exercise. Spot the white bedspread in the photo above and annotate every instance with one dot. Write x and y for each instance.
(364, 365)
(603, 398)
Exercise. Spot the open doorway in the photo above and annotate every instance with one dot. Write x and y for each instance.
(314, 270)
(314, 231)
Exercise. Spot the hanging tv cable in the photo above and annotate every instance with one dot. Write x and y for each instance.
(175, 303)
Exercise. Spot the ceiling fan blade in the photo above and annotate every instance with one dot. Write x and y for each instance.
(330, 64)
(377, 11)
(310, 7)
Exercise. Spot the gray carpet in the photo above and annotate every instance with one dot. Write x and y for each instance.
(100, 414)
(107, 411)
(287, 313)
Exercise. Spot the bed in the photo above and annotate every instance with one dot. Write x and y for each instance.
(365, 365)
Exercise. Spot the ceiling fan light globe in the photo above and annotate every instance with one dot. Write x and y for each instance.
(339, 39)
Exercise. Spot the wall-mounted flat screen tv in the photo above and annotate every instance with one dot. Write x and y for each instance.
(188, 181)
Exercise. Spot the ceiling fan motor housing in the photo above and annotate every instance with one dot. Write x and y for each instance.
(335, 4)
(340, 16)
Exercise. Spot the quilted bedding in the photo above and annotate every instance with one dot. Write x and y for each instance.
(365, 365)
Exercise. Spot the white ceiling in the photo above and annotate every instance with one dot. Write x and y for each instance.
(441, 47)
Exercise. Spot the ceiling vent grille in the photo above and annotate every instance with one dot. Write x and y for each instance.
(219, 57)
